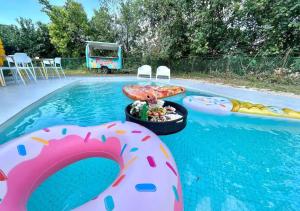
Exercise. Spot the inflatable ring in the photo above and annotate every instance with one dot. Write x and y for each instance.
(215, 105)
(148, 179)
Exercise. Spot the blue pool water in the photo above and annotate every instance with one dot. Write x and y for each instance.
(225, 162)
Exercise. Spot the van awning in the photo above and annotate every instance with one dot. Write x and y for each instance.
(102, 45)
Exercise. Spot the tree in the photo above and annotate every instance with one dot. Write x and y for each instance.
(102, 26)
(273, 25)
(43, 45)
(28, 37)
(10, 36)
(128, 25)
(69, 27)
(163, 29)
(170, 25)
(156, 28)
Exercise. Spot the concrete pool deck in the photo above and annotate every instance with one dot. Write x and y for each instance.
(15, 98)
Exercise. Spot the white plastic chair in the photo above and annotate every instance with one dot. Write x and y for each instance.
(163, 71)
(28, 63)
(49, 65)
(11, 68)
(57, 64)
(22, 61)
(144, 70)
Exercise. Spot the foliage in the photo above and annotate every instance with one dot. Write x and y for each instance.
(203, 35)
(33, 39)
(129, 28)
(68, 28)
(9, 35)
(273, 26)
(73, 63)
(144, 113)
(43, 44)
(27, 36)
(102, 26)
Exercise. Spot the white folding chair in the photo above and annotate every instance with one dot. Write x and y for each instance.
(163, 72)
(21, 62)
(11, 68)
(49, 65)
(28, 63)
(144, 70)
(57, 64)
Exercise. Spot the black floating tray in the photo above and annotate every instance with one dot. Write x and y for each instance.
(162, 128)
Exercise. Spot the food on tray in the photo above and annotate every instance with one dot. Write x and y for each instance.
(154, 112)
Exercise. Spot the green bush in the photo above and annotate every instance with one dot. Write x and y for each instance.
(295, 66)
(240, 65)
(73, 63)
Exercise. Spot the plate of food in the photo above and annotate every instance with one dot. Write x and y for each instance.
(162, 117)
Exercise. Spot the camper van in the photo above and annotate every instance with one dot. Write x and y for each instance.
(103, 56)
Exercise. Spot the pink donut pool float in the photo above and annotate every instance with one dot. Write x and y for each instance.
(214, 105)
(148, 179)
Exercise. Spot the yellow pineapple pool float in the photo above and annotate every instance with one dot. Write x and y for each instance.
(221, 105)
(259, 109)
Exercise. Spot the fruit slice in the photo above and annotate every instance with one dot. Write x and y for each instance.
(3, 177)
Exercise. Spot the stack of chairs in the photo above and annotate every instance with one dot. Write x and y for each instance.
(22, 68)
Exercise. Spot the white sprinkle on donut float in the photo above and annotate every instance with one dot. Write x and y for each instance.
(148, 179)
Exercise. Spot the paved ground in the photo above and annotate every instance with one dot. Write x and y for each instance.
(14, 98)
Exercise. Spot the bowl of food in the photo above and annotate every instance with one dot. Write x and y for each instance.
(163, 117)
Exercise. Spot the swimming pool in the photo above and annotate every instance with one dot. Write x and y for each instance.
(225, 162)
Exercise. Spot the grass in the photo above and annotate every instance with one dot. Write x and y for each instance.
(79, 72)
(259, 81)
(268, 82)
